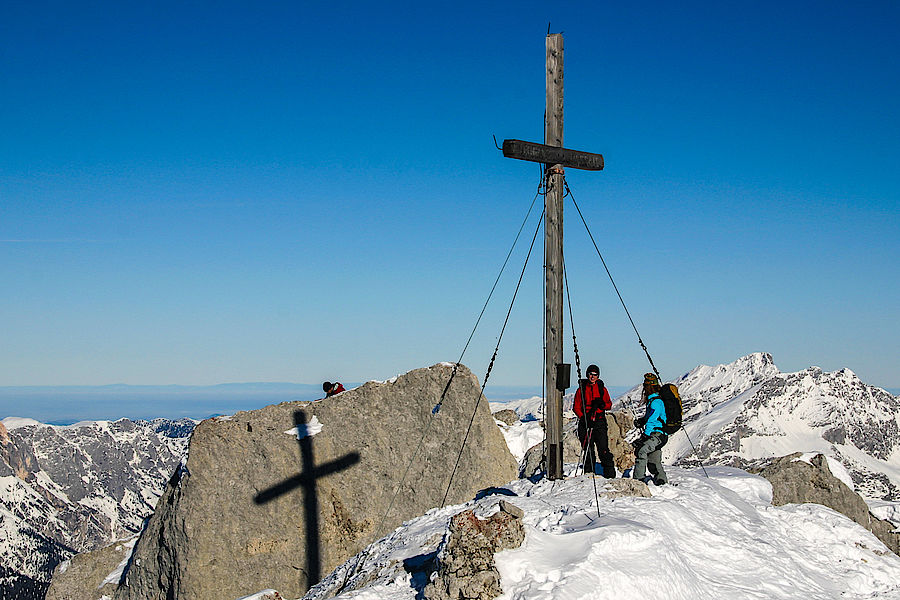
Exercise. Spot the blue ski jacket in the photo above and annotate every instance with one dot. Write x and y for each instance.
(656, 414)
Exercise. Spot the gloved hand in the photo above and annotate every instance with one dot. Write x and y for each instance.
(640, 441)
(641, 422)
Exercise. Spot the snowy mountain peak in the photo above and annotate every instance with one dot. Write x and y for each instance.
(737, 376)
(755, 362)
(706, 386)
(11, 423)
(748, 410)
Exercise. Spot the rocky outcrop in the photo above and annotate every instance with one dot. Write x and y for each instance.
(507, 416)
(622, 488)
(91, 575)
(619, 423)
(795, 481)
(256, 508)
(466, 558)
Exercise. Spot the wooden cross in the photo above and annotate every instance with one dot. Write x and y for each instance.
(555, 158)
(307, 480)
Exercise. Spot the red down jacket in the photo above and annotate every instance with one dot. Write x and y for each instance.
(592, 404)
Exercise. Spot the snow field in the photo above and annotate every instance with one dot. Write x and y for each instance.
(520, 436)
(706, 538)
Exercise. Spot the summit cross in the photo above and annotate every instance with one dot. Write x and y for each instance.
(555, 158)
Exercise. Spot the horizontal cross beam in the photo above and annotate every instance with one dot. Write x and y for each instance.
(552, 155)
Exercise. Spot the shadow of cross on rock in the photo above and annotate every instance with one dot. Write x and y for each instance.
(307, 480)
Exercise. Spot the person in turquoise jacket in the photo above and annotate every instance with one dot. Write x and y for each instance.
(648, 449)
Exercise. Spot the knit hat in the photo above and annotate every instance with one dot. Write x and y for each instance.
(326, 387)
(593, 369)
(651, 379)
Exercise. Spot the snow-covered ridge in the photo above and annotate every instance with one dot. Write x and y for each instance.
(693, 534)
(527, 409)
(705, 386)
(15, 422)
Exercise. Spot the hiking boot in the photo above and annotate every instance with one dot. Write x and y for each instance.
(647, 479)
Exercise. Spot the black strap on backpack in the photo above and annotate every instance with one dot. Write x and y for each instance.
(602, 387)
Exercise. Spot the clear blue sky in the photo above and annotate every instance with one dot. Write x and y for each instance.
(200, 193)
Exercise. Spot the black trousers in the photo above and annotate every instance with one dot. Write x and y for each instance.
(598, 446)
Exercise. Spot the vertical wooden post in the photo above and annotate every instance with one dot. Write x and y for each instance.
(553, 257)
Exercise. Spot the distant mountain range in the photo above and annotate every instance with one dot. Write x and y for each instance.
(65, 490)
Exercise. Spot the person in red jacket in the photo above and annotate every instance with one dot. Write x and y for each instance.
(591, 403)
(331, 389)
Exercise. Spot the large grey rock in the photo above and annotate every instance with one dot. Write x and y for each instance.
(240, 517)
(618, 423)
(795, 481)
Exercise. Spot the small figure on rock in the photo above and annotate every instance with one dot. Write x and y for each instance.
(332, 389)
(648, 448)
(591, 403)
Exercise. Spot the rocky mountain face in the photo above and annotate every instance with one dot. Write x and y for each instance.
(65, 490)
(748, 411)
(279, 497)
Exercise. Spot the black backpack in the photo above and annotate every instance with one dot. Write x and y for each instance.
(668, 393)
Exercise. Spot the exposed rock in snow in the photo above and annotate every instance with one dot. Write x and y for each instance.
(795, 481)
(528, 409)
(506, 416)
(466, 557)
(78, 577)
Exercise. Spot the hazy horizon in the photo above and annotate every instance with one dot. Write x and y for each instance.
(64, 405)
